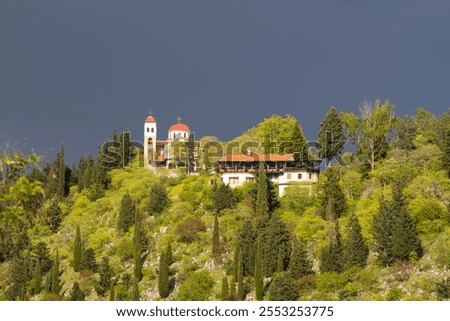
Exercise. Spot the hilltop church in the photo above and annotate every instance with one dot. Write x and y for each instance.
(234, 169)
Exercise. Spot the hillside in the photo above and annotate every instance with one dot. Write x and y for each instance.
(375, 227)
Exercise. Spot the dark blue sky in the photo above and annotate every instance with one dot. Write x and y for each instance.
(72, 71)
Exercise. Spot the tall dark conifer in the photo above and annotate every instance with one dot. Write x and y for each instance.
(259, 278)
(356, 250)
(277, 238)
(225, 294)
(163, 278)
(262, 206)
(137, 252)
(332, 257)
(299, 265)
(37, 279)
(61, 191)
(247, 244)
(216, 239)
(126, 213)
(332, 197)
(240, 280)
(331, 137)
(77, 251)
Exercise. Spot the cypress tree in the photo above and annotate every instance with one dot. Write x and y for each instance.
(259, 279)
(331, 137)
(283, 288)
(54, 215)
(112, 293)
(280, 261)
(332, 255)
(247, 244)
(126, 213)
(158, 200)
(225, 294)
(233, 295)
(137, 252)
(240, 289)
(37, 280)
(106, 274)
(169, 255)
(237, 253)
(299, 265)
(163, 279)
(77, 251)
(61, 191)
(216, 239)
(55, 285)
(42, 255)
(356, 250)
(76, 294)
(135, 291)
(277, 239)
(88, 261)
(332, 197)
(262, 206)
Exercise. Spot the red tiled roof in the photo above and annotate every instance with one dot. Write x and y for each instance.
(257, 157)
(179, 127)
(150, 119)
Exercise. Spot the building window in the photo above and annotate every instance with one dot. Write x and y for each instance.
(310, 176)
(184, 135)
(249, 179)
(300, 176)
(233, 180)
(153, 130)
(148, 129)
(289, 176)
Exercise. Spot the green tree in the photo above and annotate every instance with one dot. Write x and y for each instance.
(356, 250)
(88, 261)
(55, 274)
(222, 196)
(262, 206)
(283, 288)
(277, 239)
(62, 189)
(369, 132)
(216, 248)
(332, 198)
(126, 213)
(225, 294)
(76, 294)
(135, 290)
(404, 133)
(41, 254)
(197, 287)
(299, 265)
(237, 253)
(383, 233)
(54, 215)
(77, 251)
(259, 278)
(395, 233)
(37, 280)
(163, 278)
(106, 274)
(246, 242)
(20, 276)
(240, 280)
(137, 251)
(405, 235)
(332, 256)
(158, 200)
(331, 138)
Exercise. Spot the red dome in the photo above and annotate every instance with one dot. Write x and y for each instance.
(150, 119)
(179, 127)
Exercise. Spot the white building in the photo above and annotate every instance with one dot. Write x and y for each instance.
(160, 153)
(237, 169)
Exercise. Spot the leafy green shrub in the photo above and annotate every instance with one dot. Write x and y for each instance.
(394, 294)
(197, 287)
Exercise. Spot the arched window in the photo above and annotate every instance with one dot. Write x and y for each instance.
(148, 129)
(153, 129)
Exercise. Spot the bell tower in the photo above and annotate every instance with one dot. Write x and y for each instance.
(149, 141)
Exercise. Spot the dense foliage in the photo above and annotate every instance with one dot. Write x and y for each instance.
(375, 227)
